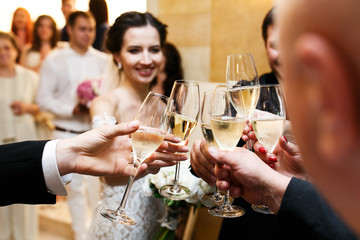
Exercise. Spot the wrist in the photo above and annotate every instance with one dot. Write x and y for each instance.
(65, 156)
(275, 190)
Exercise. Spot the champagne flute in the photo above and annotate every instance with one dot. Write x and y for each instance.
(227, 125)
(183, 115)
(243, 82)
(154, 125)
(268, 121)
(213, 198)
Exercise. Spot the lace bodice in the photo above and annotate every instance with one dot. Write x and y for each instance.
(145, 210)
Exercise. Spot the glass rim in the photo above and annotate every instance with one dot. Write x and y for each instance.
(158, 94)
(240, 54)
(270, 85)
(187, 82)
(242, 87)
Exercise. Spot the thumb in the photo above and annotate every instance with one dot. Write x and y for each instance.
(219, 156)
(111, 131)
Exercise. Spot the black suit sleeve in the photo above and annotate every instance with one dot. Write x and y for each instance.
(21, 175)
(304, 214)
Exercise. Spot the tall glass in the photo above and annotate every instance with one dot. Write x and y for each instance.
(227, 125)
(243, 82)
(213, 198)
(154, 125)
(268, 120)
(183, 115)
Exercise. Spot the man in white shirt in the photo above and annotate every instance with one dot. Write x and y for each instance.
(60, 75)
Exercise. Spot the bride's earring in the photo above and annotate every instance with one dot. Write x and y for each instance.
(119, 65)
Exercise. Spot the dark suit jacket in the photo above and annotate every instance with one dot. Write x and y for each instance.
(303, 214)
(21, 175)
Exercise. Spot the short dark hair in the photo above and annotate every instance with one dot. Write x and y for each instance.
(115, 35)
(73, 16)
(268, 21)
(99, 10)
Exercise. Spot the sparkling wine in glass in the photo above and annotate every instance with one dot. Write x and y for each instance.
(227, 125)
(210, 199)
(242, 80)
(183, 116)
(154, 125)
(268, 122)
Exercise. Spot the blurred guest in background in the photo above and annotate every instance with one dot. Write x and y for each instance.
(271, 47)
(21, 26)
(67, 7)
(99, 10)
(44, 40)
(18, 87)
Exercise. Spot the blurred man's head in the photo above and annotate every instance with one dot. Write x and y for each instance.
(81, 29)
(271, 42)
(320, 48)
(67, 7)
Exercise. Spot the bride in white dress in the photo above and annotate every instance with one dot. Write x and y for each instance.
(135, 41)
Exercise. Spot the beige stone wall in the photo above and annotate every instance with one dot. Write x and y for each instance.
(206, 31)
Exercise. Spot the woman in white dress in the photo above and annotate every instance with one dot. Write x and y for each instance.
(45, 38)
(135, 41)
(18, 87)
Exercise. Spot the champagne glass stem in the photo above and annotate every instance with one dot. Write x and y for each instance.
(121, 208)
(177, 174)
(227, 203)
(216, 197)
(136, 166)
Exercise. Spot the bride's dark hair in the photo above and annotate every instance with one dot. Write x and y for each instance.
(115, 35)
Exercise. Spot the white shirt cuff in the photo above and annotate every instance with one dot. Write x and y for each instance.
(54, 182)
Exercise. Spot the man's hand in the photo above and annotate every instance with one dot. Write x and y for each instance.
(80, 109)
(105, 151)
(200, 162)
(247, 176)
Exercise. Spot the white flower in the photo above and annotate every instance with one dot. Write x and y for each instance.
(166, 175)
(146, 187)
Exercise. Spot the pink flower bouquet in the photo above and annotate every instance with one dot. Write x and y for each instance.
(88, 90)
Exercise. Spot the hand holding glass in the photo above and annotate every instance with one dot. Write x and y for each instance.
(268, 122)
(183, 115)
(227, 125)
(213, 198)
(153, 119)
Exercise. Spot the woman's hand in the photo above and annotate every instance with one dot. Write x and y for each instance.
(285, 159)
(19, 108)
(167, 154)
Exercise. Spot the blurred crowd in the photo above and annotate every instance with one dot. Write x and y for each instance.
(49, 76)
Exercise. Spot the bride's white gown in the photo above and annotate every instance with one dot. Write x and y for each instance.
(145, 210)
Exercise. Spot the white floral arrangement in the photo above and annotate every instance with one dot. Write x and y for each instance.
(166, 175)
